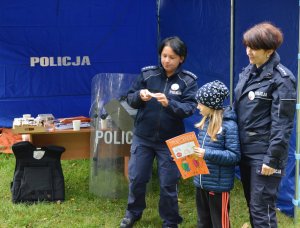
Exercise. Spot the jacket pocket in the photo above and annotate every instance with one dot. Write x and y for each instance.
(132, 169)
(286, 107)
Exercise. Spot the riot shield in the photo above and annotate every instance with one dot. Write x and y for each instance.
(111, 134)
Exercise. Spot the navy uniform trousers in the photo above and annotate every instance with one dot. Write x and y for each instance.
(261, 195)
(143, 153)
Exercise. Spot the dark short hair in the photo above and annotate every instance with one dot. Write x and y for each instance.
(263, 36)
(177, 45)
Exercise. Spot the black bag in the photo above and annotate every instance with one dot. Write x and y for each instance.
(38, 174)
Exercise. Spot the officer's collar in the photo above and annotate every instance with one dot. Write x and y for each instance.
(179, 69)
(267, 66)
(257, 70)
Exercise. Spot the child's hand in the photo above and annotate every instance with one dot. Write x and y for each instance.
(173, 158)
(199, 152)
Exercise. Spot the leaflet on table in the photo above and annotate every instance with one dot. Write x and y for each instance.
(60, 126)
(182, 150)
(70, 119)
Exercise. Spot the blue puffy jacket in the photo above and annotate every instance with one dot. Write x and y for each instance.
(221, 156)
(153, 121)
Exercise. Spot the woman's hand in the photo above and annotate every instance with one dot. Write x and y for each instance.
(267, 170)
(145, 95)
(161, 98)
(199, 152)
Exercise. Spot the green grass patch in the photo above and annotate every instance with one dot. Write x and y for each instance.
(85, 209)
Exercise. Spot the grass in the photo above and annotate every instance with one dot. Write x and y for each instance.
(83, 209)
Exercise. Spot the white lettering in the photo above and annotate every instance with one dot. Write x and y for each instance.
(261, 94)
(77, 63)
(108, 137)
(59, 61)
(86, 61)
(34, 60)
(116, 140)
(66, 61)
(44, 61)
(99, 135)
(115, 137)
(52, 63)
(128, 137)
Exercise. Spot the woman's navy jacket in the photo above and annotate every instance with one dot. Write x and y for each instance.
(265, 107)
(153, 121)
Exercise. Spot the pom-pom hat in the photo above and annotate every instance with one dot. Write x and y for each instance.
(212, 94)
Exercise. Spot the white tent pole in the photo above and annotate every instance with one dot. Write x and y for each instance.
(297, 153)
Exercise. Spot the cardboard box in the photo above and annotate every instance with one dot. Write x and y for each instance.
(26, 129)
(19, 128)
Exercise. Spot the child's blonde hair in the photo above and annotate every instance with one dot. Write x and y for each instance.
(215, 119)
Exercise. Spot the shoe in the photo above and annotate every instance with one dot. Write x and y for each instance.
(128, 222)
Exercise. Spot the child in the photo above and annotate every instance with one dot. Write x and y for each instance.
(220, 148)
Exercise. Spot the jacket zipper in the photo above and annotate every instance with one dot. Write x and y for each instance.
(157, 133)
(200, 176)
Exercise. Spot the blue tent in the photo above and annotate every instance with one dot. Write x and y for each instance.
(50, 50)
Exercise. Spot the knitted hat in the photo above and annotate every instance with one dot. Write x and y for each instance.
(212, 94)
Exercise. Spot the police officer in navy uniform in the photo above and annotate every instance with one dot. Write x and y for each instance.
(164, 95)
(265, 102)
